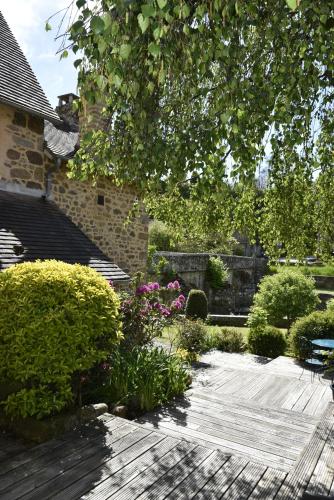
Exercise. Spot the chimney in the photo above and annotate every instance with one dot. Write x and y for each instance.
(66, 112)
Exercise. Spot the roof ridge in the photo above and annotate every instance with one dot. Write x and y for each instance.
(19, 86)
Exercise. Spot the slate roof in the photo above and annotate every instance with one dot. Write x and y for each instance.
(61, 143)
(33, 228)
(18, 84)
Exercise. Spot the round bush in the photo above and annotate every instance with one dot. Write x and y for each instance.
(269, 342)
(330, 305)
(318, 325)
(197, 305)
(56, 321)
(287, 294)
(191, 335)
(228, 340)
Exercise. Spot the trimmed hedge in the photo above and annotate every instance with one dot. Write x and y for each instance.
(318, 325)
(228, 340)
(197, 305)
(269, 342)
(56, 321)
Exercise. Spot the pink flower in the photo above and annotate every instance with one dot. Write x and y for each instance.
(142, 289)
(176, 285)
(153, 286)
(181, 298)
(111, 283)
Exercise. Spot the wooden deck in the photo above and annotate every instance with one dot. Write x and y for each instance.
(223, 440)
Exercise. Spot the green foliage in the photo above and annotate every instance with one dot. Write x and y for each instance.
(269, 342)
(217, 273)
(288, 294)
(161, 236)
(193, 93)
(228, 340)
(325, 270)
(197, 305)
(191, 335)
(56, 321)
(330, 305)
(257, 319)
(142, 378)
(318, 325)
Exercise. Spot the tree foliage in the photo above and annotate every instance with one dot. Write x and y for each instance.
(203, 93)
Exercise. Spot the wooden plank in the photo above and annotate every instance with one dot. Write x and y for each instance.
(245, 483)
(294, 395)
(138, 485)
(323, 474)
(210, 437)
(221, 481)
(298, 479)
(305, 398)
(127, 471)
(290, 419)
(161, 488)
(30, 485)
(318, 395)
(199, 477)
(234, 419)
(48, 447)
(268, 485)
(252, 434)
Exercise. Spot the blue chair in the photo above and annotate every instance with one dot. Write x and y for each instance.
(314, 357)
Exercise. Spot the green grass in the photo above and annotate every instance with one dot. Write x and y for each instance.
(325, 270)
(169, 333)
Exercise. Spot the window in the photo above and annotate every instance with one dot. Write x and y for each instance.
(100, 199)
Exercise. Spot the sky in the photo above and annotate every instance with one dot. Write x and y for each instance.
(26, 19)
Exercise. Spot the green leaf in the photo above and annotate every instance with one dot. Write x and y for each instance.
(148, 10)
(97, 25)
(80, 3)
(77, 63)
(143, 22)
(76, 27)
(64, 54)
(293, 4)
(48, 26)
(125, 50)
(154, 49)
(162, 3)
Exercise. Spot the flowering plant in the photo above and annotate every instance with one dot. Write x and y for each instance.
(147, 309)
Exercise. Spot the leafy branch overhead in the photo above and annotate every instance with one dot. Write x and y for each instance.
(202, 93)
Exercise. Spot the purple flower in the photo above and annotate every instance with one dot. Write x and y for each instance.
(111, 283)
(174, 285)
(142, 289)
(177, 304)
(153, 286)
(181, 298)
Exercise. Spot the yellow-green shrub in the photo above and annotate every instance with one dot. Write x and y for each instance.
(56, 320)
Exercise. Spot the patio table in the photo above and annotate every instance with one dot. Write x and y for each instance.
(324, 343)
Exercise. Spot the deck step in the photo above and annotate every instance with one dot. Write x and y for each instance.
(314, 470)
(270, 436)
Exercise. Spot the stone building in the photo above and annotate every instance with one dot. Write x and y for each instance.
(43, 213)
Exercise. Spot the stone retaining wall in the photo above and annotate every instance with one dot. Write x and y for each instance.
(237, 295)
(324, 282)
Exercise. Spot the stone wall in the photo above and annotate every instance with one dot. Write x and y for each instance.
(236, 296)
(24, 167)
(22, 160)
(125, 244)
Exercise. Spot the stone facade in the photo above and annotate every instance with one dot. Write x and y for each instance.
(236, 296)
(22, 160)
(101, 211)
